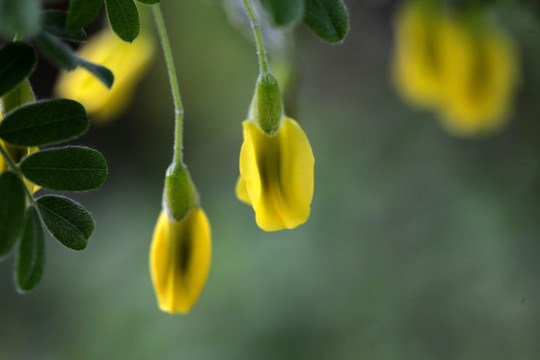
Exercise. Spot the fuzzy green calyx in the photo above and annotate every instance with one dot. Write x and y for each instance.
(179, 193)
(266, 107)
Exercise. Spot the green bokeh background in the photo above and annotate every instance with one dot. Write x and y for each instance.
(420, 245)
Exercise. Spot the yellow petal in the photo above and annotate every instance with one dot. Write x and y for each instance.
(416, 62)
(128, 63)
(278, 174)
(180, 260)
(241, 191)
(480, 79)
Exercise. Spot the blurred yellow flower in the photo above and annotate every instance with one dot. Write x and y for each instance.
(462, 66)
(180, 260)
(127, 61)
(416, 64)
(17, 154)
(276, 175)
(480, 78)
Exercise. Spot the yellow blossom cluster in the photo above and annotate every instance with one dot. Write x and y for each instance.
(464, 66)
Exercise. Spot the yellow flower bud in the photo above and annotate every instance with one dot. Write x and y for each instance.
(180, 260)
(127, 61)
(276, 175)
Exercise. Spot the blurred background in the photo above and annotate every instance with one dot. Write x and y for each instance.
(421, 244)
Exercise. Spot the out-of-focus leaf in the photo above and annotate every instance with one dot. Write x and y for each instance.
(58, 52)
(12, 204)
(54, 23)
(328, 19)
(71, 168)
(82, 12)
(19, 95)
(124, 18)
(63, 56)
(284, 12)
(17, 60)
(31, 253)
(44, 122)
(21, 17)
(149, 2)
(67, 221)
(101, 72)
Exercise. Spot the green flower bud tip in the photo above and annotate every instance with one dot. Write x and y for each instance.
(179, 193)
(266, 108)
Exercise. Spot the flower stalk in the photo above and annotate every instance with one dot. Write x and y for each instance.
(263, 64)
(173, 79)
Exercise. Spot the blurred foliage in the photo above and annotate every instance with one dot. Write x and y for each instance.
(419, 246)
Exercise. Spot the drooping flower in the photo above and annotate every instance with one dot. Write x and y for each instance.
(461, 65)
(127, 61)
(480, 77)
(276, 175)
(416, 64)
(17, 154)
(180, 260)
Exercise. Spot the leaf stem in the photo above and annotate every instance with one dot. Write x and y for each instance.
(13, 167)
(173, 79)
(258, 38)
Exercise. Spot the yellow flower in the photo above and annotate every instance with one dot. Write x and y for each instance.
(128, 63)
(276, 175)
(17, 154)
(462, 66)
(480, 78)
(180, 260)
(416, 64)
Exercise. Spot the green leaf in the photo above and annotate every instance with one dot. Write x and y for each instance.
(82, 12)
(149, 2)
(31, 254)
(284, 12)
(21, 17)
(67, 221)
(12, 204)
(54, 23)
(63, 56)
(19, 95)
(71, 168)
(124, 18)
(327, 18)
(44, 122)
(17, 60)
(58, 52)
(102, 73)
